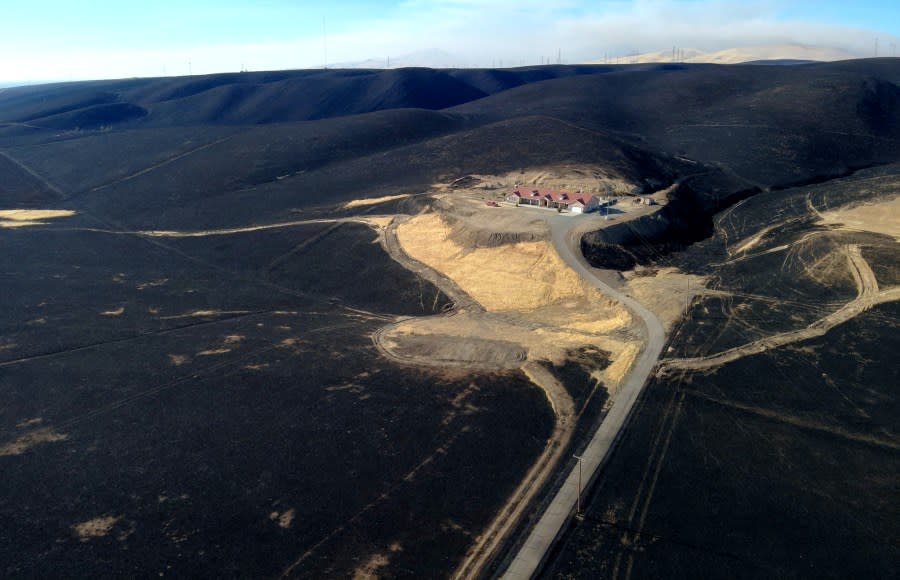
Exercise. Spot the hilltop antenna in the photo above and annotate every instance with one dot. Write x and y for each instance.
(190, 69)
(876, 48)
(558, 56)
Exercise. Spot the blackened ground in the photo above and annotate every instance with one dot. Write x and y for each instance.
(780, 464)
(591, 397)
(727, 476)
(232, 426)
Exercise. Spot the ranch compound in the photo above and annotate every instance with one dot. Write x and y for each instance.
(573, 202)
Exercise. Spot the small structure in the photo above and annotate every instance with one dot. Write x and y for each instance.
(561, 200)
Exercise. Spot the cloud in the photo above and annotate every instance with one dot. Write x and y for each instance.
(484, 31)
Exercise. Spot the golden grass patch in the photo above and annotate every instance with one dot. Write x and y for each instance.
(19, 218)
(95, 528)
(520, 276)
(666, 293)
(374, 200)
(31, 439)
(214, 351)
(284, 519)
(880, 217)
(178, 359)
(620, 366)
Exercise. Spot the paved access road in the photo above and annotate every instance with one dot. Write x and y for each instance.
(567, 243)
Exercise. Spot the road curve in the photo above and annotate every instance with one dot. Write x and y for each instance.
(531, 555)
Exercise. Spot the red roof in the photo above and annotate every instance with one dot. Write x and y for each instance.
(552, 195)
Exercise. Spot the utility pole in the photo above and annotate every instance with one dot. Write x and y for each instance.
(578, 497)
(687, 299)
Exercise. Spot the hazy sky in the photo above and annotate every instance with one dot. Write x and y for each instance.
(64, 39)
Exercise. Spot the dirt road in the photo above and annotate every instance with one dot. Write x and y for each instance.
(566, 240)
(869, 295)
(562, 404)
(520, 500)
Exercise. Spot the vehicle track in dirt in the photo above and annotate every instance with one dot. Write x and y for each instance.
(869, 295)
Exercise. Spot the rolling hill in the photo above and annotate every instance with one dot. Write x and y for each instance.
(189, 382)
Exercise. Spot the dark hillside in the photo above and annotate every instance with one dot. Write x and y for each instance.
(771, 125)
(95, 116)
(327, 173)
(747, 128)
(264, 97)
(237, 99)
(19, 189)
(754, 127)
(493, 81)
(26, 104)
(217, 159)
(306, 98)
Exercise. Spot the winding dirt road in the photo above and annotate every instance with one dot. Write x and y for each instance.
(563, 408)
(527, 561)
(869, 295)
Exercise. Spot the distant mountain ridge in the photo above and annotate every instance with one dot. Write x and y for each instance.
(430, 58)
(785, 52)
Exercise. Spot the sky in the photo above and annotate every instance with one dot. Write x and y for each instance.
(93, 39)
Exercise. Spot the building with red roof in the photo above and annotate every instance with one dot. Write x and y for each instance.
(573, 202)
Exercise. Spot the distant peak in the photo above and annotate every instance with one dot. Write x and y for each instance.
(786, 51)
